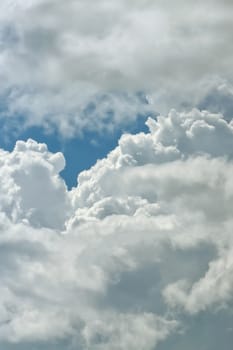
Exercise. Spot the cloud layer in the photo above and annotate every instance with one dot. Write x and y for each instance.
(134, 256)
(77, 65)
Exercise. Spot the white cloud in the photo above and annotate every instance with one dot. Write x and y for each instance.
(31, 189)
(118, 262)
(58, 57)
(214, 288)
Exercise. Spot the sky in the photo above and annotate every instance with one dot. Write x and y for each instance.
(116, 166)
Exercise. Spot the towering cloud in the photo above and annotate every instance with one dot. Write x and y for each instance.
(135, 256)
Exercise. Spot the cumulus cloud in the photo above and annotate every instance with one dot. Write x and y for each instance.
(29, 179)
(131, 256)
(59, 59)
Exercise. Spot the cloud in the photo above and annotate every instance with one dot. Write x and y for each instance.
(130, 257)
(57, 58)
(29, 177)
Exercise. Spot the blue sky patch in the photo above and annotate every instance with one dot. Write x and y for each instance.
(80, 152)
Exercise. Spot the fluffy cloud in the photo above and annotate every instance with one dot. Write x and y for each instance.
(130, 257)
(31, 189)
(77, 65)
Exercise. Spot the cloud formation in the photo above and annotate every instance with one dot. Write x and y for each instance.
(77, 65)
(132, 256)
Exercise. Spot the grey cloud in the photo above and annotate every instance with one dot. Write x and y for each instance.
(208, 328)
(219, 100)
